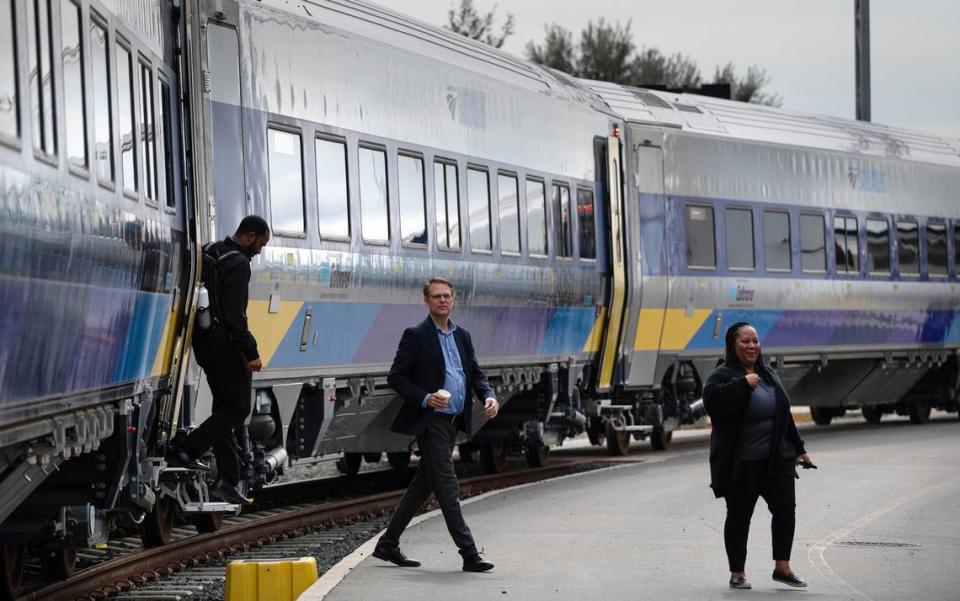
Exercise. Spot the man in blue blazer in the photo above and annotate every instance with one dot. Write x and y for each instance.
(435, 371)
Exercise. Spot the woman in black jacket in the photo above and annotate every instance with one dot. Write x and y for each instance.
(754, 448)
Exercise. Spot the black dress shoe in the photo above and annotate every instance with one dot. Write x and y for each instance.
(790, 579)
(740, 582)
(183, 459)
(474, 563)
(229, 493)
(394, 555)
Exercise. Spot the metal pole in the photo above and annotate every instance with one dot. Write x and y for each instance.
(862, 26)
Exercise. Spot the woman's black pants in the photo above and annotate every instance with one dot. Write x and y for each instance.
(777, 489)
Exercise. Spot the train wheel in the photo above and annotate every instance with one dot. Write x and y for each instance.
(468, 452)
(372, 457)
(11, 570)
(873, 415)
(493, 457)
(919, 412)
(595, 432)
(538, 455)
(822, 416)
(156, 529)
(59, 564)
(399, 459)
(660, 439)
(349, 464)
(208, 522)
(618, 443)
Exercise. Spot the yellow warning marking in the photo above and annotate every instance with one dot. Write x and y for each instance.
(270, 328)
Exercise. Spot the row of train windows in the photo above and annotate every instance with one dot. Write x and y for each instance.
(288, 215)
(739, 239)
(140, 149)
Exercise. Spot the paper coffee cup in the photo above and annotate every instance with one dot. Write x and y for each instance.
(443, 393)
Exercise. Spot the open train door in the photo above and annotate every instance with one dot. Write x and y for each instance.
(610, 346)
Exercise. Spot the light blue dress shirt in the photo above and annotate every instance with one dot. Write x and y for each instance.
(454, 381)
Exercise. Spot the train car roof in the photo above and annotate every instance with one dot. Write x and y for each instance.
(773, 125)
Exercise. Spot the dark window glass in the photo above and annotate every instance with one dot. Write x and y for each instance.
(285, 164)
(509, 214)
(478, 201)
(776, 241)
(536, 218)
(878, 246)
(739, 238)
(847, 245)
(71, 54)
(813, 246)
(41, 76)
(936, 248)
(447, 196)
(102, 129)
(908, 247)
(148, 152)
(166, 143)
(128, 163)
(332, 197)
(413, 210)
(585, 217)
(562, 226)
(698, 232)
(9, 99)
(374, 219)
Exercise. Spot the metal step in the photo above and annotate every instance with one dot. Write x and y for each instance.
(211, 507)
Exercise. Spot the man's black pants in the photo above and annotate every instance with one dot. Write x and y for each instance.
(230, 382)
(778, 490)
(434, 474)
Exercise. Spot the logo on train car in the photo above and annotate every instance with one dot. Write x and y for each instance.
(867, 180)
(742, 294)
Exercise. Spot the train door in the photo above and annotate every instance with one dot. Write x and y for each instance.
(616, 296)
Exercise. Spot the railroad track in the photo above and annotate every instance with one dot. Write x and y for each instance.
(190, 566)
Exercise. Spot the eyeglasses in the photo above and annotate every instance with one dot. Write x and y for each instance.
(440, 296)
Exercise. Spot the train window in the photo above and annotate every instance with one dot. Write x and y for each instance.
(447, 197)
(73, 84)
(588, 234)
(562, 228)
(509, 214)
(9, 99)
(776, 241)
(936, 248)
(166, 142)
(41, 76)
(128, 163)
(102, 129)
(332, 197)
(148, 152)
(413, 210)
(536, 218)
(908, 247)
(478, 201)
(285, 164)
(847, 246)
(374, 218)
(698, 230)
(739, 239)
(878, 246)
(813, 244)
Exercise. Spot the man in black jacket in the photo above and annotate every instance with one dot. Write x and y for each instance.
(434, 371)
(228, 354)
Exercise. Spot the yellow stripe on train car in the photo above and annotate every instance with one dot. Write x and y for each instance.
(668, 329)
(270, 328)
(161, 363)
(592, 345)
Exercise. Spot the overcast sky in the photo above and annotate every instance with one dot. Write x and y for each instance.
(806, 46)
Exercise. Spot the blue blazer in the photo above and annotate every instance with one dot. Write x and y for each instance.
(418, 369)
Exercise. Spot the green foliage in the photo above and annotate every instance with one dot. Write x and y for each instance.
(466, 21)
(557, 50)
(747, 88)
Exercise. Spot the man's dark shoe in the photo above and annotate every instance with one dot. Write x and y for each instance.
(394, 555)
(740, 582)
(229, 493)
(183, 459)
(790, 579)
(474, 563)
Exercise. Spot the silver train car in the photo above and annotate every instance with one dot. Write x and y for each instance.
(600, 238)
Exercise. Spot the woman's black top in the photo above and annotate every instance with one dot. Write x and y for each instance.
(743, 429)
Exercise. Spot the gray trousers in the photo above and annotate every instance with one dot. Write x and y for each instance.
(434, 474)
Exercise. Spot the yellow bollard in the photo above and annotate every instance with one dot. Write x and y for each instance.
(269, 579)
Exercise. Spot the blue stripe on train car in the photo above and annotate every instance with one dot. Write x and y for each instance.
(143, 336)
(568, 330)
